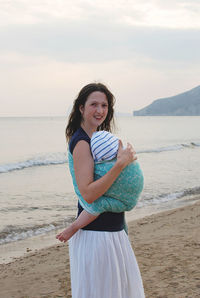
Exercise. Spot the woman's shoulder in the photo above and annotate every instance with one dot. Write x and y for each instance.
(79, 135)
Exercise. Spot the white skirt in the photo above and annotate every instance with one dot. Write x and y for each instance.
(103, 265)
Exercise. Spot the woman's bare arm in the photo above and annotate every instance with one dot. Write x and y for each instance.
(84, 170)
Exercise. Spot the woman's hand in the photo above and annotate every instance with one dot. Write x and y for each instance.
(125, 156)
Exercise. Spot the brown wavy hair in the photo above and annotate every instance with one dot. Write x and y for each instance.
(75, 117)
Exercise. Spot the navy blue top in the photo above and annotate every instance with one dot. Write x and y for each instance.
(107, 221)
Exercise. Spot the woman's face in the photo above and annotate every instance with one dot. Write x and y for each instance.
(95, 110)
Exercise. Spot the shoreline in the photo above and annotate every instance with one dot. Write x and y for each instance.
(11, 251)
(166, 245)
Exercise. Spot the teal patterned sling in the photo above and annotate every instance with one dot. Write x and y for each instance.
(123, 193)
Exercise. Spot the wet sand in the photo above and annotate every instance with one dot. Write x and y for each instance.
(166, 244)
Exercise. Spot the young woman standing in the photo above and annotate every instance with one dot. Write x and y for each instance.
(102, 262)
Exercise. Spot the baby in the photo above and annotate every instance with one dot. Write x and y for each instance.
(123, 193)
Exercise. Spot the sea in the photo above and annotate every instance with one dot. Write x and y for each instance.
(37, 198)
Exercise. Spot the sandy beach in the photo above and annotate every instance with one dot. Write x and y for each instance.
(166, 244)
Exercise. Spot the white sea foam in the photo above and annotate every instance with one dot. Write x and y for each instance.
(61, 158)
(14, 236)
(168, 197)
(161, 199)
(13, 233)
(43, 160)
(195, 144)
(175, 147)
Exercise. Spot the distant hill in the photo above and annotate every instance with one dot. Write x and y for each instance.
(184, 104)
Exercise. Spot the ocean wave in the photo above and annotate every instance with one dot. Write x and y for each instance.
(13, 233)
(171, 148)
(168, 197)
(195, 144)
(42, 160)
(29, 209)
(61, 157)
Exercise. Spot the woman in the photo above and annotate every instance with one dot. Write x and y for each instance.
(102, 261)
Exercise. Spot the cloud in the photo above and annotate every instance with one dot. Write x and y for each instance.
(41, 86)
(97, 31)
(168, 14)
(92, 41)
(49, 49)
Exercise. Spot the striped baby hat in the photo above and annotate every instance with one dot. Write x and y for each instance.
(104, 145)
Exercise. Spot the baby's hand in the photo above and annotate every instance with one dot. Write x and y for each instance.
(61, 237)
(65, 235)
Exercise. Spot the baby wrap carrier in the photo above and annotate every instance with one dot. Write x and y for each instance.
(123, 193)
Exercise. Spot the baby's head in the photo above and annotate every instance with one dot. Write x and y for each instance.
(104, 145)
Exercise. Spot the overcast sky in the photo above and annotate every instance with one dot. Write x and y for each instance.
(142, 50)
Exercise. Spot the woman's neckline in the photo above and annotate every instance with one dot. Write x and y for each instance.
(86, 132)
